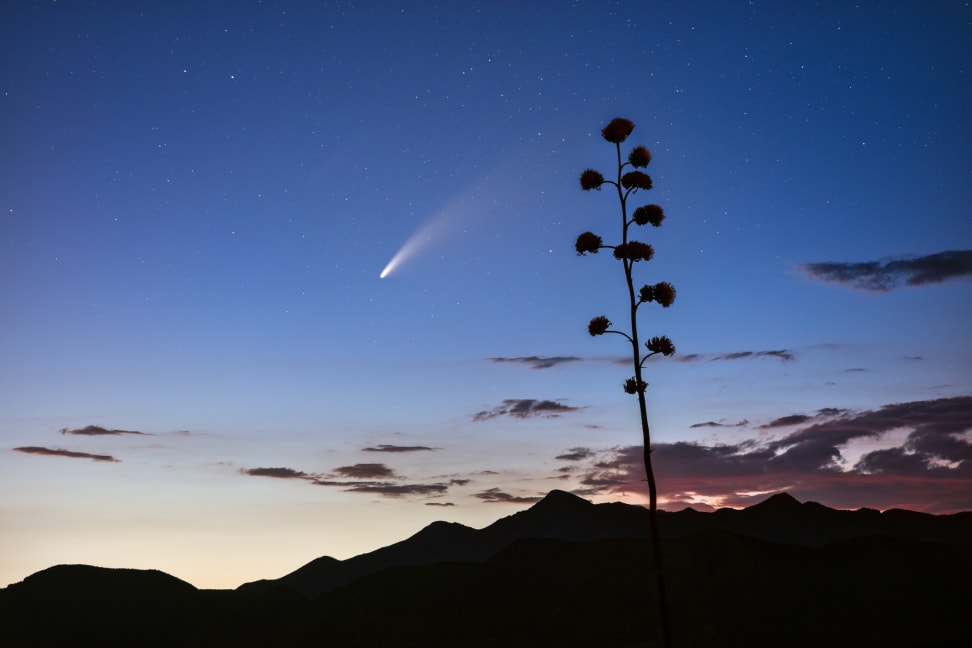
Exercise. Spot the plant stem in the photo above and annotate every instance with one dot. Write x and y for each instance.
(662, 608)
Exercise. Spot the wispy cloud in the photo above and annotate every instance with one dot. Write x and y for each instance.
(933, 463)
(58, 452)
(497, 496)
(387, 447)
(524, 408)
(719, 424)
(780, 354)
(383, 488)
(576, 454)
(891, 273)
(372, 478)
(387, 489)
(538, 362)
(97, 430)
(783, 355)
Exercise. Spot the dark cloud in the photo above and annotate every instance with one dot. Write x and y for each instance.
(370, 478)
(742, 423)
(279, 473)
(97, 430)
(538, 362)
(524, 408)
(576, 454)
(882, 276)
(387, 447)
(495, 495)
(933, 464)
(780, 354)
(384, 488)
(365, 471)
(57, 452)
(783, 355)
(439, 504)
(784, 421)
(397, 490)
(831, 411)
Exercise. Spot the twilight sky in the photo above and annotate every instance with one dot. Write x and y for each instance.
(202, 372)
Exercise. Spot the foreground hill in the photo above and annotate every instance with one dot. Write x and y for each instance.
(564, 572)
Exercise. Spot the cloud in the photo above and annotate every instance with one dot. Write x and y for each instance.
(398, 490)
(279, 473)
(933, 463)
(538, 362)
(785, 421)
(96, 430)
(370, 478)
(387, 447)
(831, 411)
(384, 488)
(576, 454)
(742, 423)
(365, 471)
(496, 496)
(881, 276)
(524, 408)
(783, 355)
(439, 504)
(780, 354)
(57, 452)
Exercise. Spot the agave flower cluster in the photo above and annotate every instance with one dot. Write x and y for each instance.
(629, 180)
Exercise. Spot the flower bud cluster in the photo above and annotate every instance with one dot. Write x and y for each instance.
(633, 386)
(591, 179)
(639, 157)
(648, 214)
(636, 180)
(617, 130)
(598, 326)
(634, 251)
(661, 345)
(662, 292)
(588, 242)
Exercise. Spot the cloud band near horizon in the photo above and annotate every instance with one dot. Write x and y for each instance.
(932, 464)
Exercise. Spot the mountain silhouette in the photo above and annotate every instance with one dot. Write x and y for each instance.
(565, 572)
(564, 516)
(559, 515)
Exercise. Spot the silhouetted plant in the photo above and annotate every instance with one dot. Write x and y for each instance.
(630, 252)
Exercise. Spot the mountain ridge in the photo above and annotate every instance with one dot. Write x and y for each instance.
(779, 569)
(561, 515)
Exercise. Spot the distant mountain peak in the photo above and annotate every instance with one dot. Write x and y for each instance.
(778, 502)
(562, 500)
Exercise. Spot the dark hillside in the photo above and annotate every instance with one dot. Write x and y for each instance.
(562, 573)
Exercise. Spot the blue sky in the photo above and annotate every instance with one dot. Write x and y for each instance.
(202, 371)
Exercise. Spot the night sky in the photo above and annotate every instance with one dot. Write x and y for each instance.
(202, 372)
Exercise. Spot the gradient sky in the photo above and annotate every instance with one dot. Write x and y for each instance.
(202, 372)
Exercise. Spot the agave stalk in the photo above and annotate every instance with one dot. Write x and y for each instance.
(627, 183)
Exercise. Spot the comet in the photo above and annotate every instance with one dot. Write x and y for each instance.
(477, 199)
(435, 227)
